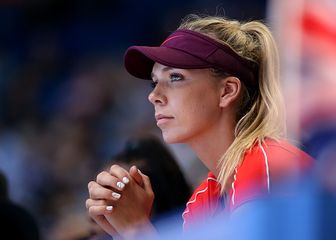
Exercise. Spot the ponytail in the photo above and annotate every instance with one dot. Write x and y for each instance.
(263, 116)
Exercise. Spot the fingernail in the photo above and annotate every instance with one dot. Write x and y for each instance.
(109, 208)
(116, 195)
(139, 171)
(120, 185)
(125, 180)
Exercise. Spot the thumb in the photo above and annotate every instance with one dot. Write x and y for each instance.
(136, 175)
(146, 181)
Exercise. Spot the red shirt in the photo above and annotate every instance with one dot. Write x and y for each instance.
(253, 178)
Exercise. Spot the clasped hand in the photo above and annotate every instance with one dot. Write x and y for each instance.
(121, 201)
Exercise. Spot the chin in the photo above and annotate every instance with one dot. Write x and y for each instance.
(171, 138)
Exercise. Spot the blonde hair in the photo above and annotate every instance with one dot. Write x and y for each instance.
(263, 116)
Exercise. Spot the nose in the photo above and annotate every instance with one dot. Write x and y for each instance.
(157, 97)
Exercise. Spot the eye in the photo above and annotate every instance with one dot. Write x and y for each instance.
(153, 84)
(176, 77)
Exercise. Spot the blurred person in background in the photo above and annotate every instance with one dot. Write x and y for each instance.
(216, 88)
(16, 222)
(3, 187)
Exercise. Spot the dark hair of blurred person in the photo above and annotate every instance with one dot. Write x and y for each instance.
(3, 187)
(15, 221)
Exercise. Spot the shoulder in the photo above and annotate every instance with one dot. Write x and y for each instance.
(279, 157)
(265, 164)
(284, 158)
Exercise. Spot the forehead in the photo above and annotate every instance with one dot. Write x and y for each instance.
(157, 68)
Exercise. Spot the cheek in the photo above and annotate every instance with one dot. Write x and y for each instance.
(196, 110)
(200, 113)
(193, 115)
(200, 106)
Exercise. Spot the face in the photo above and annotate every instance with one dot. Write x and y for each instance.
(186, 102)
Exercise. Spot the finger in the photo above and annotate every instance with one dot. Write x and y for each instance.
(91, 202)
(100, 210)
(136, 175)
(120, 173)
(98, 192)
(106, 179)
(147, 183)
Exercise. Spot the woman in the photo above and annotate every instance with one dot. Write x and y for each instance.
(216, 88)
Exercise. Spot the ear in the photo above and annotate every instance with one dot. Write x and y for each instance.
(230, 89)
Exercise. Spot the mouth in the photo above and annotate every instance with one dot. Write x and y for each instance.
(162, 119)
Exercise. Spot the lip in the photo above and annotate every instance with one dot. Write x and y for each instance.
(161, 118)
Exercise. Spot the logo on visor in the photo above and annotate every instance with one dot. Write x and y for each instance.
(168, 39)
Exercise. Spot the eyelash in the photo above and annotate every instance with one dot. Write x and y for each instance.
(176, 75)
(171, 76)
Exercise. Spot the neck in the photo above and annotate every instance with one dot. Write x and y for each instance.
(211, 145)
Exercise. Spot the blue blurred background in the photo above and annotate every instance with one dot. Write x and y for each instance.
(67, 104)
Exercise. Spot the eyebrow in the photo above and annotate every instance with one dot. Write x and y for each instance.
(164, 69)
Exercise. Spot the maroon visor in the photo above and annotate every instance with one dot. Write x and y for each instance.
(188, 49)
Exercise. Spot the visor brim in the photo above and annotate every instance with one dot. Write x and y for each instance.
(139, 60)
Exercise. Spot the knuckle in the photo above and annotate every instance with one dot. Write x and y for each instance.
(94, 193)
(114, 167)
(101, 175)
(92, 211)
(146, 177)
(88, 203)
(90, 184)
